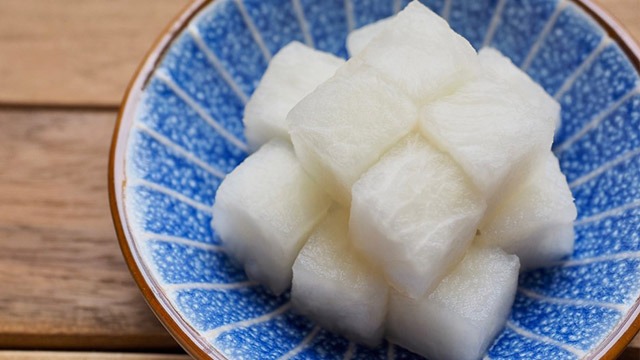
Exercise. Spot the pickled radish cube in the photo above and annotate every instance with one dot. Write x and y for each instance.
(500, 68)
(420, 53)
(535, 221)
(463, 315)
(264, 212)
(346, 124)
(294, 72)
(490, 130)
(414, 214)
(359, 39)
(335, 287)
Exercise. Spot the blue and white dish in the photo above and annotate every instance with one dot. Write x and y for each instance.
(180, 131)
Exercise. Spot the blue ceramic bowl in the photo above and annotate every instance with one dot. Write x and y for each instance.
(180, 131)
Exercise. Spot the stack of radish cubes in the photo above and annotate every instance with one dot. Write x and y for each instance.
(399, 193)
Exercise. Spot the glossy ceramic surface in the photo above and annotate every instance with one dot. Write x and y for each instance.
(181, 131)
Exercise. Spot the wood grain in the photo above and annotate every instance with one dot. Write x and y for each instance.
(49, 355)
(83, 52)
(627, 12)
(63, 283)
(63, 279)
(78, 52)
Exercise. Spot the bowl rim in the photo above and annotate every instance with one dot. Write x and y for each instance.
(609, 348)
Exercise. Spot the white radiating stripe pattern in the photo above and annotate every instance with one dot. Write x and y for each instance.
(582, 68)
(148, 236)
(255, 33)
(495, 22)
(572, 302)
(209, 286)
(214, 333)
(348, 9)
(634, 255)
(179, 150)
(397, 4)
(170, 193)
(543, 339)
(302, 345)
(216, 64)
(446, 9)
(391, 351)
(302, 21)
(593, 123)
(604, 168)
(351, 350)
(171, 84)
(537, 45)
(607, 214)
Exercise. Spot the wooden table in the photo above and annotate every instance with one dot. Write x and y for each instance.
(64, 65)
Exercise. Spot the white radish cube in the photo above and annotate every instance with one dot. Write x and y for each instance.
(490, 129)
(500, 68)
(420, 53)
(463, 315)
(346, 124)
(359, 39)
(264, 211)
(535, 220)
(335, 287)
(414, 214)
(293, 73)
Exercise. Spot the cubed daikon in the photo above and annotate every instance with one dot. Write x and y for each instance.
(461, 318)
(414, 214)
(264, 211)
(294, 72)
(336, 287)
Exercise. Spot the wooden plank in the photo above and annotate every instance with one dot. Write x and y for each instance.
(627, 12)
(80, 52)
(630, 354)
(64, 281)
(635, 343)
(51, 355)
(83, 52)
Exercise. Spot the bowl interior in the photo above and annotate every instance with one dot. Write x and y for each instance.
(181, 131)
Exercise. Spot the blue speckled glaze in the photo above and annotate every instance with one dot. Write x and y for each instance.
(364, 353)
(183, 264)
(187, 134)
(618, 130)
(607, 79)
(576, 281)
(616, 235)
(511, 345)
(471, 19)
(368, 11)
(154, 212)
(557, 321)
(190, 69)
(208, 309)
(276, 21)
(609, 190)
(327, 22)
(267, 340)
(573, 37)
(326, 346)
(171, 117)
(229, 38)
(160, 165)
(520, 24)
